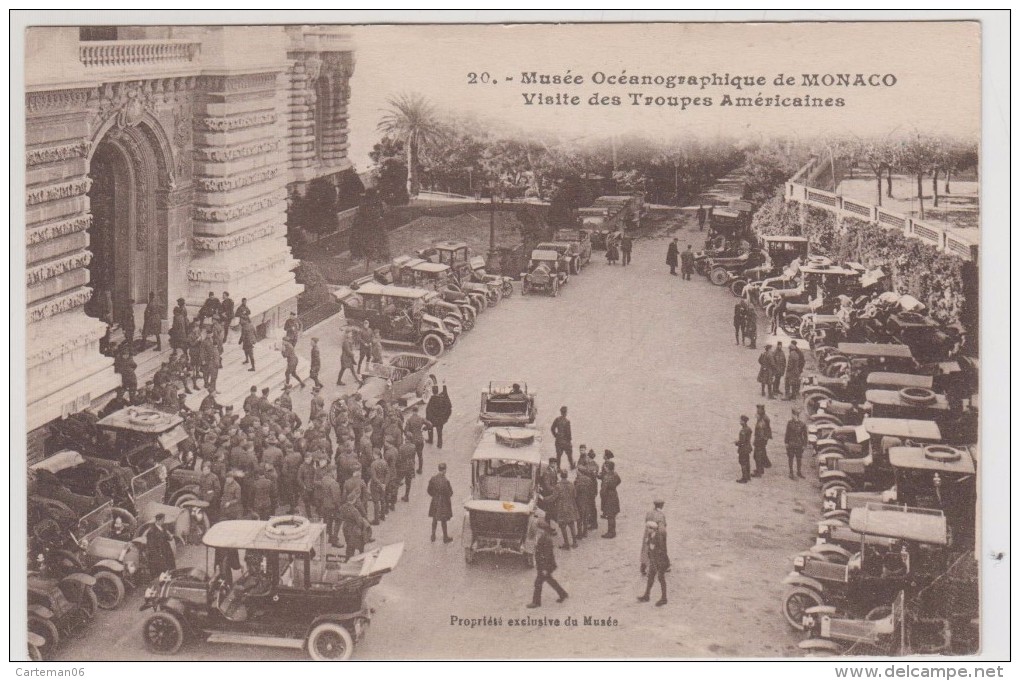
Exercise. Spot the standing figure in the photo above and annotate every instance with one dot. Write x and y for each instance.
(610, 498)
(794, 367)
(127, 324)
(210, 361)
(564, 501)
(357, 529)
(612, 252)
(440, 508)
(750, 325)
(377, 350)
(672, 255)
(226, 312)
(738, 323)
(743, 444)
(327, 504)
(658, 562)
(209, 309)
(626, 246)
(762, 435)
(378, 483)
(657, 516)
(231, 506)
(587, 490)
(687, 263)
(701, 218)
(125, 365)
(153, 321)
(247, 342)
(405, 466)
(292, 362)
(562, 437)
(796, 440)
(414, 428)
(292, 328)
(315, 363)
(765, 371)
(545, 565)
(179, 327)
(364, 344)
(159, 552)
(347, 361)
(778, 368)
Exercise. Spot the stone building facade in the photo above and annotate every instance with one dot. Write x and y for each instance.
(161, 159)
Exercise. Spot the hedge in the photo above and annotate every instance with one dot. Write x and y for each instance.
(945, 283)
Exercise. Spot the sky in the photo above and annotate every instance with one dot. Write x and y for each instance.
(935, 68)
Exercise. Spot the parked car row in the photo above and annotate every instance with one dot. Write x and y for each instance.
(552, 262)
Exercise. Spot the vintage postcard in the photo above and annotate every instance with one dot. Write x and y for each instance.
(500, 341)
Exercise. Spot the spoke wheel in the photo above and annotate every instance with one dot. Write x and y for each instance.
(109, 589)
(48, 631)
(330, 642)
(163, 633)
(796, 603)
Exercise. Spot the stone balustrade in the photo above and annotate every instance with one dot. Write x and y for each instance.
(127, 54)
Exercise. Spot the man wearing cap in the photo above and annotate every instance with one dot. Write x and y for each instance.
(658, 562)
(315, 363)
(378, 484)
(610, 497)
(292, 328)
(564, 501)
(796, 440)
(271, 452)
(355, 486)
(284, 401)
(290, 355)
(405, 466)
(264, 493)
(357, 529)
(251, 402)
(743, 444)
(231, 507)
(209, 403)
(364, 343)
(659, 518)
(247, 342)
(794, 367)
(778, 368)
(159, 547)
(414, 428)
(289, 468)
(306, 485)
(210, 307)
(545, 565)
(327, 504)
(762, 435)
(440, 508)
(562, 436)
(587, 491)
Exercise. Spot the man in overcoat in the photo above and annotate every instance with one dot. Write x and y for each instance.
(658, 562)
(673, 255)
(610, 497)
(779, 366)
(762, 435)
(159, 551)
(796, 440)
(545, 565)
(440, 508)
(743, 444)
(564, 501)
(794, 367)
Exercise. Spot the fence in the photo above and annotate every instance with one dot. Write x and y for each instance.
(942, 239)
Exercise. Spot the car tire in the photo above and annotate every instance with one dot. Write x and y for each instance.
(820, 647)
(921, 397)
(508, 289)
(330, 642)
(186, 496)
(48, 630)
(432, 345)
(796, 601)
(737, 287)
(163, 633)
(719, 276)
(109, 589)
(81, 595)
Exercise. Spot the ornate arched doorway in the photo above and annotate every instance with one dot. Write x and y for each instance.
(129, 249)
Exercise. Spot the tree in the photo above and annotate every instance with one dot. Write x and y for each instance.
(570, 195)
(766, 169)
(412, 119)
(960, 154)
(368, 233)
(878, 156)
(918, 155)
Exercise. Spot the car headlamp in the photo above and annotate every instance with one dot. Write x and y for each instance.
(131, 567)
(798, 562)
(828, 505)
(165, 576)
(823, 530)
(83, 544)
(150, 592)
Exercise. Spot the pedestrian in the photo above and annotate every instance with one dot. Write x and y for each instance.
(687, 263)
(357, 529)
(610, 498)
(587, 490)
(626, 246)
(777, 312)
(743, 444)
(317, 407)
(216, 330)
(545, 565)
(292, 328)
(378, 484)
(778, 368)
(658, 562)
(657, 516)
(440, 508)
(290, 471)
(290, 355)
(355, 485)
(125, 365)
(562, 437)
(765, 369)
(794, 367)
(405, 466)
(264, 493)
(210, 361)
(327, 504)
(708, 215)
(796, 440)
(762, 435)
(231, 506)
(243, 311)
(701, 218)
(153, 320)
(315, 363)
(612, 251)
(127, 324)
(672, 255)
(306, 485)
(347, 361)
(159, 550)
(414, 428)
(364, 344)
(209, 490)
(226, 312)
(738, 323)
(179, 327)
(564, 501)
(377, 349)
(750, 325)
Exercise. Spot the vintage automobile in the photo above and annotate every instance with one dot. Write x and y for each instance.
(502, 514)
(469, 272)
(295, 592)
(399, 315)
(568, 251)
(580, 241)
(890, 357)
(874, 574)
(59, 606)
(719, 247)
(817, 293)
(880, 632)
(815, 387)
(478, 265)
(720, 271)
(458, 318)
(507, 403)
(779, 253)
(405, 373)
(546, 272)
(415, 272)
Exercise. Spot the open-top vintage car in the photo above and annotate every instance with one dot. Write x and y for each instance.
(779, 253)
(580, 241)
(468, 273)
(875, 573)
(546, 272)
(569, 252)
(480, 275)
(502, 514)
(507, 403)
(399, 314)
(59, 606)
(296, 591)
(405, 373)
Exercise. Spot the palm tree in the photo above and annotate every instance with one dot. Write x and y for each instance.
(412, 119)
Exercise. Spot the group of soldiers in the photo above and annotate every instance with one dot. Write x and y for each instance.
(774, 364)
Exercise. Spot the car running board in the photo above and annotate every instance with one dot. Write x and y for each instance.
(255, 640)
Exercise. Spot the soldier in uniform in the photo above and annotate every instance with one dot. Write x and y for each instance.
(440, 508)
(357, 529)
(796, 440)
(794, 367)
(378, 484)
(315, 363)
(585, 486)
(414, 431)
(564, 500)
(658, 562)
(306, 485)
(153, 320)
(779, 368)
(657, 516)
(743, 444)
(405, 466)
(738, 323)
(231, 507)
(765, 370)
(562, 436)
(545, 565)
(610, 497)
(687, 263)
(762, 435)
(247, 342)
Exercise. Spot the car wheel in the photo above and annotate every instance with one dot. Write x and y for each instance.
(820, 647)
(48, 631)
(186, 496)
(432, 345)
(508, 289)
(109, 589)
(790, 323)
(163, 633)
(719, 276)
(493, 297)
(81, 595)
(330, 642)
(737, 287)
(796, 603)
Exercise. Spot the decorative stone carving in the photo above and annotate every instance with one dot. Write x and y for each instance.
(226, 184)
(64, 190)
(54, 268)
(60, 152)
(247, 120)
(252, 81)
(62, 303)
(56, 101)
(222, 154)
(225, 243)
(223, 214)
(54, 230)
(44, 352)
(224, 275)
(312, 68)
(182, 141)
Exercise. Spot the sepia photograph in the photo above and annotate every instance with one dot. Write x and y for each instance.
(503, 340)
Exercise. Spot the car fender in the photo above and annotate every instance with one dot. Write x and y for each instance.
(108, 564)
(797, 579)
(176, 606)
(829, 475)
(822, 549)
(81, 578)
(341, 618)
(40, 611)
(71, 557)
(187, 489)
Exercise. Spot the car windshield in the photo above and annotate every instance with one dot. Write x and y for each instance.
(147, 481)
(95, 521)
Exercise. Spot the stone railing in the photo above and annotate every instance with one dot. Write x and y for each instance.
(947, 241)
(129, 54)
